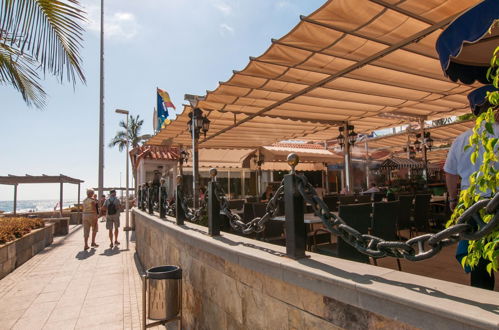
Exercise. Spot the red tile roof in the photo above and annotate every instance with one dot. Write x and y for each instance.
(154, 152)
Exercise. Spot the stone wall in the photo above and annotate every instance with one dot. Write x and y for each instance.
(61, 225)
(232, 282)
(14, 254)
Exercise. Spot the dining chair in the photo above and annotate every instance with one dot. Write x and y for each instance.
(346, 199)
(331, 202)
(259, 209)
(248, 213)
(421, 213)
(378, 196)
(364, 198)
(404, 215)
(274, 232)
(384, 222)
(357, 216)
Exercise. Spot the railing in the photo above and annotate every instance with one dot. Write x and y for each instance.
(295, 189)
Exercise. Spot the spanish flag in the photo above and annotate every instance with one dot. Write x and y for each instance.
(165, 99)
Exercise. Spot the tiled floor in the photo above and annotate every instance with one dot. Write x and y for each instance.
(65, 288)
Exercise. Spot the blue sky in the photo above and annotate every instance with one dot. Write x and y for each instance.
(182, 46)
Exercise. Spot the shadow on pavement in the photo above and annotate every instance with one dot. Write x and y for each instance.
(82, 255)
(111, 251)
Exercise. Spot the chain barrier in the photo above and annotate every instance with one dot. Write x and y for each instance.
(193, 215)
(256, 225)
(469, 226)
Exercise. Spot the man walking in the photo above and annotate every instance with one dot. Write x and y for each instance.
(89, 218)
(112, 206)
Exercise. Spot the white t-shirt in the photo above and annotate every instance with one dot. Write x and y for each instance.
(458, 160)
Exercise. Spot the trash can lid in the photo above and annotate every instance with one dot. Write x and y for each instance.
(167, 272)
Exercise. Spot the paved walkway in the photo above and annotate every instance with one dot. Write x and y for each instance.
(65, 288)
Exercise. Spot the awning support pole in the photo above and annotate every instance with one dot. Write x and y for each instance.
(15, 199)
(368, 183)
(348, 162)
(195, 164)
(60, 198)
(425, 157)
(79, 193)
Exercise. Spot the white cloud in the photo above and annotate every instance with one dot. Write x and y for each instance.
(226, 30)
(284, 4)
(223, 7)
(118, 26)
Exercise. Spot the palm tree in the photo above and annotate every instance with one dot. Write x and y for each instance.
(134, 127)
(39, 36)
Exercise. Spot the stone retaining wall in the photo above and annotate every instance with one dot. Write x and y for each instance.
(61, 225)
(15, 253)
(232, 282)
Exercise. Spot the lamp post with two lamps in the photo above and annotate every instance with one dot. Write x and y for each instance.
(196, 124)
(346, 142)
(127, 206)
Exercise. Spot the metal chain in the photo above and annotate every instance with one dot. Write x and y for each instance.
(469, 226)
(192, 215)
(256, 225)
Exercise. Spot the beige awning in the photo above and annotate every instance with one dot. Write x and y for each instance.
(221, 158)
(443, 134)
(308, 153)
(371, 63)
(283, 166)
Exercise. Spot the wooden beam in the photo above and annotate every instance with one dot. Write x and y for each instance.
(60, 198)
(15, 199)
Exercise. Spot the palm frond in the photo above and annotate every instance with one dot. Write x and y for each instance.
(48, 31)
(17, 70)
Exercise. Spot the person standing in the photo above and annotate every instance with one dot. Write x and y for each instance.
(89, 218)
(458, 165)
(112, 208)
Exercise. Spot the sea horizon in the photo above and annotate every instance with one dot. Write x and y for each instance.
(34, 205)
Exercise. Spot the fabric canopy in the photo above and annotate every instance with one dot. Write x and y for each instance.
(443, 134)
(308, 153)
(397, 163)
(282, 166)
(221, 158)
(466, 46)
(369, 62)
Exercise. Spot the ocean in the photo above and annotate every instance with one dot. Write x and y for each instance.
(34, 205)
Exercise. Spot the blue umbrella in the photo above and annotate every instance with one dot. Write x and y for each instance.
(478, 99)
(466, 46)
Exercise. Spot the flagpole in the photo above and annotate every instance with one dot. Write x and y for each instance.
(101, 105)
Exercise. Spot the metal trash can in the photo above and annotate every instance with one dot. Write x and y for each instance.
(164, 286)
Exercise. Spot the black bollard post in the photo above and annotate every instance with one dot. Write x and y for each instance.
(296, 233)
(139, 197)
(214, 221)
(162, 199)
(150, 198)
(179, 210)
(145, 194)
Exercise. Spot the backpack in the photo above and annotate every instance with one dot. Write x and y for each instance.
(111, 208)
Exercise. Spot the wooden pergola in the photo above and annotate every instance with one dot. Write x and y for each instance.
(15, 180)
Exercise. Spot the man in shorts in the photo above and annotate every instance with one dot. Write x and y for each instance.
(112, 206)
(89, 218)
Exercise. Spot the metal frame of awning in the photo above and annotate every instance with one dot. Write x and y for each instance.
(305, 85)
(15, 180)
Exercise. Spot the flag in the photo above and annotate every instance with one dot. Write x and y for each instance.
(164, 102)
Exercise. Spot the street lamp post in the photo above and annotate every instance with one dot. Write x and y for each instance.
(127, 206)
(346, 142)
(196, 123)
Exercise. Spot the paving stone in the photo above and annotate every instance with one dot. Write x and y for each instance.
(64, 288)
